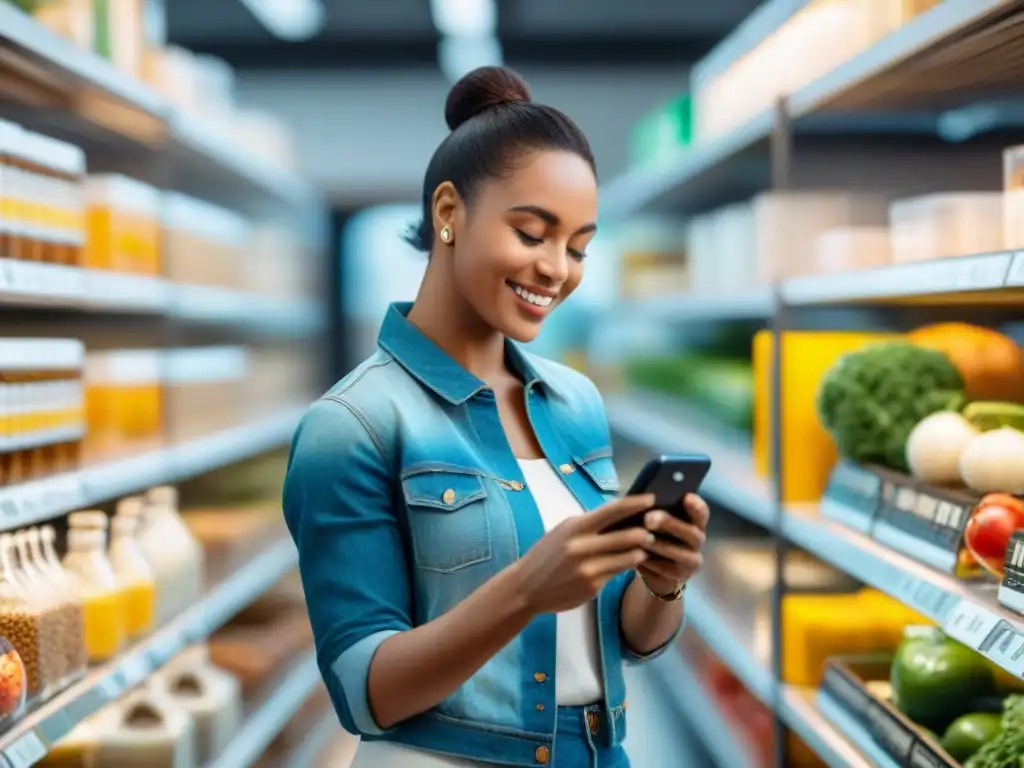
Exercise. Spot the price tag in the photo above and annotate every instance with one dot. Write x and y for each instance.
(1006, 648)
(110, 688)
(981, 272)
(1016, 275)
(62, 494)
(970, 623)
(27, 750)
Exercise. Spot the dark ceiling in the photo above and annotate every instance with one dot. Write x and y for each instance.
(399, 33)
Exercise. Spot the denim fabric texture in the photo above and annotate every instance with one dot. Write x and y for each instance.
(403, 497)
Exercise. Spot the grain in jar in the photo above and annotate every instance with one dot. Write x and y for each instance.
(27, 626)
(47, 598)
(42, 414)
(124, 399)
(133, 571)
(44, 555)
(122, 225)
(87, 562)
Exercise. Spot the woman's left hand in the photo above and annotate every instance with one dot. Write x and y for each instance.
(677, 546)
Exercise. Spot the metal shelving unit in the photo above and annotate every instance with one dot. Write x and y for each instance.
(905, 82)
(29, 740)
(49, 85)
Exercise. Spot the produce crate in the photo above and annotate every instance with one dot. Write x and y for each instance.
(883, 732)
(922, 521)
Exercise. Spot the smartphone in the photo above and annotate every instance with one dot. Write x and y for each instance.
(670, 479)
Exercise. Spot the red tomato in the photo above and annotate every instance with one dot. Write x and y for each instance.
(988, 533)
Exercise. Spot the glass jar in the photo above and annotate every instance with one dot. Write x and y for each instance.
(47, 598)
(102, 600)
(26, 625)
(66, 595)
(42, 413)
(134, 573)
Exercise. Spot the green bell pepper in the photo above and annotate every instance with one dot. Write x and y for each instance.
(935, 679)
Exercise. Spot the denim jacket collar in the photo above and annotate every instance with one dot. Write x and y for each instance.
(432, 366)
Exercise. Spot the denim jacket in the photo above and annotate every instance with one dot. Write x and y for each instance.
(403, 497)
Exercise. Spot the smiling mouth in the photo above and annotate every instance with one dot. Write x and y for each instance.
(531, 298)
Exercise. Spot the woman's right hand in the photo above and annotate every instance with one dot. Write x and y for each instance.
(572, 562)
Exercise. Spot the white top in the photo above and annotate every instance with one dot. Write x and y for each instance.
(578, 660)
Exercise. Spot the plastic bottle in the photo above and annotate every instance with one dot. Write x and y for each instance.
(102, 599)
(175, 556)
(133, 571)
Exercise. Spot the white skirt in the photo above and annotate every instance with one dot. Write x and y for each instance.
(384, 754)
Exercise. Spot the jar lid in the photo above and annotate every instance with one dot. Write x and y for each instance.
(123, 193)
(89, 520)
(41, 354)
(123, 366)
(91, 538)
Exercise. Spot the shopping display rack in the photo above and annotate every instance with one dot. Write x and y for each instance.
(859, 117)
(51, 86)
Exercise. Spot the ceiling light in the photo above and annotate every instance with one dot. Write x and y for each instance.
(292, 20)
(458, 55)
(465, 18)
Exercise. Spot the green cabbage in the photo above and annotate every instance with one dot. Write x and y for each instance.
(870, 400)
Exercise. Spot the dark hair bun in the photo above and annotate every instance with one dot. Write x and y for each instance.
(480, 90)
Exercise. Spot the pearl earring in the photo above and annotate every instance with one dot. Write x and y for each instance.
(446, 234)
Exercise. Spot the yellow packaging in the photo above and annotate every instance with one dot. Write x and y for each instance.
(102, 598)
(123, 225)
(808, 453)
(124, 399)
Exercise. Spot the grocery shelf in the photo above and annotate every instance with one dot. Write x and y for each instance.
(803, 713)
(968, 612)
(751, 304)
(696, 705)
(877, 77)
(31, 738)
(23, 37)
(692, 181)
(682, 176)
(711, 620)
(665, 425)
(967, 277)
(271, 716)
(795, 707)
(140, 115)
(26, 284)
(30, 503)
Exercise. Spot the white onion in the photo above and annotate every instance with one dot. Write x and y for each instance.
(993, 462)
(935, 445)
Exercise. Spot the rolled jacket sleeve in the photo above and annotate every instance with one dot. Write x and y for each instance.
(338, 505)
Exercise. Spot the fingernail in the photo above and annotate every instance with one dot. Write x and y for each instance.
(650, 538)
(654, 518)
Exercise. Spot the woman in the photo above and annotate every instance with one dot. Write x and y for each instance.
(448, 497)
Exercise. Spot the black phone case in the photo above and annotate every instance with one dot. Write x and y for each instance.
(670, 479)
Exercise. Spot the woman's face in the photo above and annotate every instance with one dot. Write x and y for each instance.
(519, 249)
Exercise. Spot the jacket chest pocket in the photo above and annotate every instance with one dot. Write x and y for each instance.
(599, 468)
(447, 518)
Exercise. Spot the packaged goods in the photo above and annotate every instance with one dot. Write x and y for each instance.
(133, 571)
(172, 552)
(102, 598)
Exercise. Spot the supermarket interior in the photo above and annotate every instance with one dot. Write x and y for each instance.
(202, 209)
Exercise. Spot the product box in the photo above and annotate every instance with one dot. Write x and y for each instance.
(849, 697)
(922, 521)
